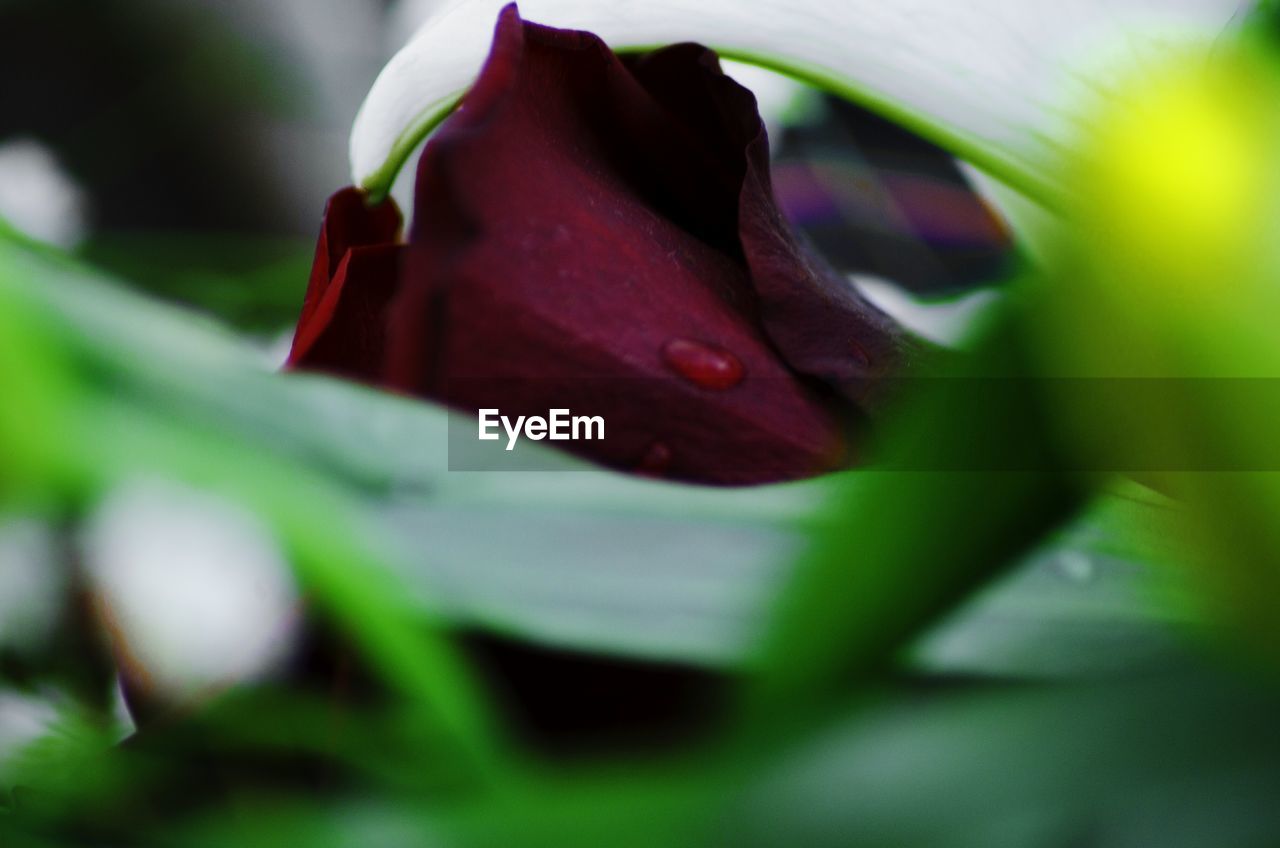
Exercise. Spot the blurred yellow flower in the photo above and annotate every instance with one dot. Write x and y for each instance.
(1176, 174)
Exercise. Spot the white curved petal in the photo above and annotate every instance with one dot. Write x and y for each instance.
(990, 79)
(406, 17)
(776, 94)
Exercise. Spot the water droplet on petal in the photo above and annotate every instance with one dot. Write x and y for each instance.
(704, 365)
(656, 461)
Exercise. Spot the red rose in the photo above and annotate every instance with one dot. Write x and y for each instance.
(600, 233)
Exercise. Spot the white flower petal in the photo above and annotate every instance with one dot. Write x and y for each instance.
(406, 17)
(196, 593)
(776, 94)
(991, 80)
(38, 197)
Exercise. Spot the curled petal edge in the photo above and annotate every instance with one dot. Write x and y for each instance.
(991, 81)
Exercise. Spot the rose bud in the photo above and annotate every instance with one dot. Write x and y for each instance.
(600, 233)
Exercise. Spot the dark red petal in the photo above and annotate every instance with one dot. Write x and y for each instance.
(356, 271)
(348, 335)
(569, 228)
(815, 318)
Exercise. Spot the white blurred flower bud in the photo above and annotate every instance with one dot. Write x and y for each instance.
(38, 197)
(194, 592)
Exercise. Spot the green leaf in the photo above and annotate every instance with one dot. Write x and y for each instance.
(965, 482)
(176, 401)
(580, 559)
(1179, 761)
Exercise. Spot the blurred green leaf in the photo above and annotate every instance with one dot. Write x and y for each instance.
(1125, 764)
(963, 484)
(1187, 760)
(253, 283)
(392, 545)
(147, 404)
(579, 558)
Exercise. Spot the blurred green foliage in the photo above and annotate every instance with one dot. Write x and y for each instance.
(255, 284)
(863, 712)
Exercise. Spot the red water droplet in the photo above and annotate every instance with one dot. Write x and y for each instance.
(656, 461)
(860, 353)
(703, 365)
